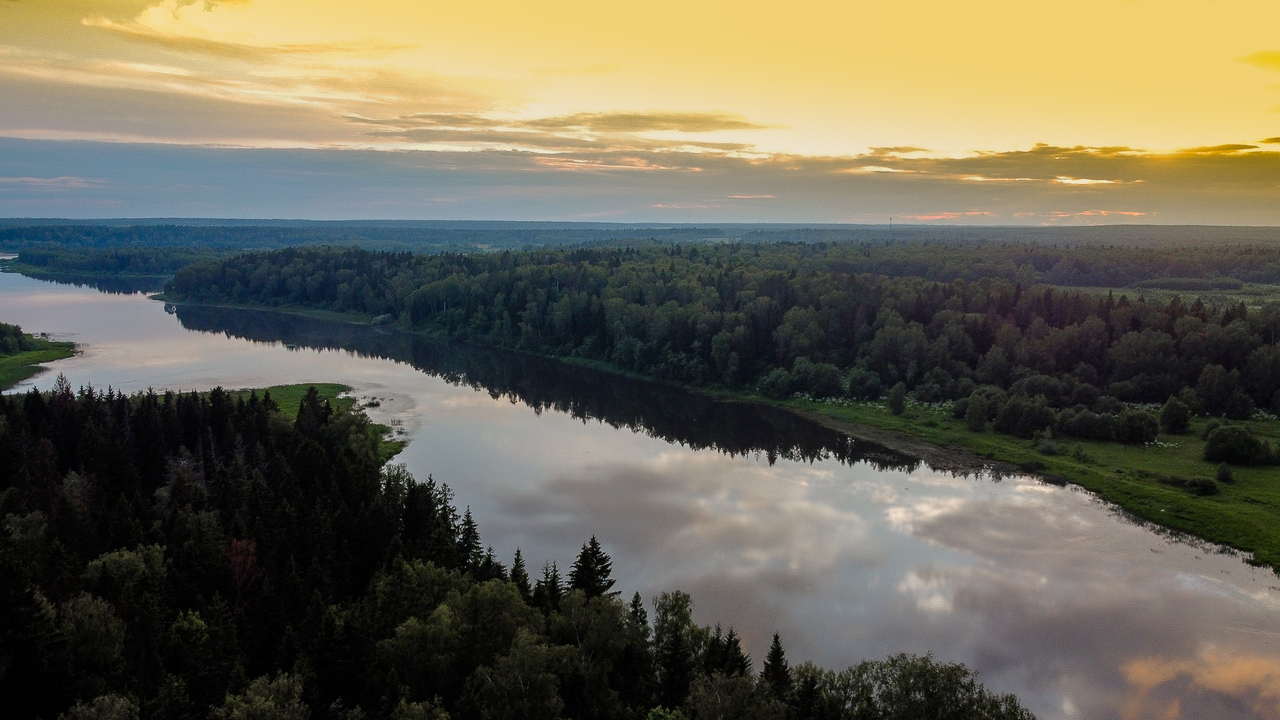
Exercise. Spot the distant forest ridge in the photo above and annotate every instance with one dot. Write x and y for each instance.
(156, 251)
(423, 235)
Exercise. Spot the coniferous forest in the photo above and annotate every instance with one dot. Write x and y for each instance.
(204, 556)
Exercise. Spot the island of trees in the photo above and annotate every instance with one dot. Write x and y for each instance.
(202, 556)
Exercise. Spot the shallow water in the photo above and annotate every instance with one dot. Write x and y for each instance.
(773, 524)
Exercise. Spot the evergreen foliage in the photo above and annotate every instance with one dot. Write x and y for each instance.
(198, 556)
(591, 571)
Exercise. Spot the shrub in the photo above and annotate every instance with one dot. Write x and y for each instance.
(777, 384)
(898, 399)
(1209, 427)
(1025, 417)
(864, 384)
(1202, 486)
(1235, 445)
(1136, 427)
(1175, 417)
(1225, 475)
(975, 416)
(820, 380)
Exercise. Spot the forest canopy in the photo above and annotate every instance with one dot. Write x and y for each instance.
(194, 556)
(799, 318)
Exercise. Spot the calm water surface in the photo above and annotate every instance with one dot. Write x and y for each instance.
(772, 524)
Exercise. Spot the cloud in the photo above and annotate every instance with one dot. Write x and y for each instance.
(634, 122)
(1271, 141)
(1265, 59)
(1216, 683)
(54, 183)
(1220, 149)
(140, 32)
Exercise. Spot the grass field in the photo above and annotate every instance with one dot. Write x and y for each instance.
(1245, 515)
(16, 368)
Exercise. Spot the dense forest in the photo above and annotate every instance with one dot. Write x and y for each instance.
(197, 556)
(1167, 258)
(456, 237)
(797, 318)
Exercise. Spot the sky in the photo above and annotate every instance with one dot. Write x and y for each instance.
(982, 112)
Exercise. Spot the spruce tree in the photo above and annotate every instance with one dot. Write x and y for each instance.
(547, 591)
(469, 543)
(776, 674)
(590, 572)
(520, 577)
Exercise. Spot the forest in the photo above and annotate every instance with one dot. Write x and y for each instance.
(787, 319)
(1180, 259)
(204, 556)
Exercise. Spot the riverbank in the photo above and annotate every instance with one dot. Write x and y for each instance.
(16, 368)
(1145, 481)
(289, 398)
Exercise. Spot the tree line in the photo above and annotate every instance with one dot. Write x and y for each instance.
(795, 318)
(14, 341)
(202, 556)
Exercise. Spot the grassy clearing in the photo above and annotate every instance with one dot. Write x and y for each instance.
(289, 399)
(16, 368)
(1253, 295)
(1244, 515)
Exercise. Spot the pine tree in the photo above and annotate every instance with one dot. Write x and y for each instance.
(547, 591)
(520, 577)
(590, 572)
(776, 674)
(469, 543)
(489, 567)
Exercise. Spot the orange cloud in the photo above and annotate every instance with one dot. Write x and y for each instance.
(1251, 680)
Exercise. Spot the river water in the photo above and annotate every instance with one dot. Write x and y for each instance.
(773, 524)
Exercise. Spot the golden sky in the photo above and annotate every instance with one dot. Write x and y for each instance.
(832, 88)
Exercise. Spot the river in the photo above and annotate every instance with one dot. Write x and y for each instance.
(773, 524)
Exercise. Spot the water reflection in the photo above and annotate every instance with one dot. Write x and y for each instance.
(113, 285)
(779, 527)
(694, 421)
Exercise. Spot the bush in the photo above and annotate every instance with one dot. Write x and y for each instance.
(1025, 417)
(1135, 427)
(1235, 445)
(1175, 417)
(975, 416)
(777, 384)
(820, 380)
(1087, 424)
(1225, 475)
(1209, 427)
(898, 399)
(1202, 486)
(864, 384)
(1046, 447)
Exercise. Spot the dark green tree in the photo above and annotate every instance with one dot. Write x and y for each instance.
(591, 571)
(898, 399)
(776, 673)
(1175, 416)
(548, 590)
(520, 577)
